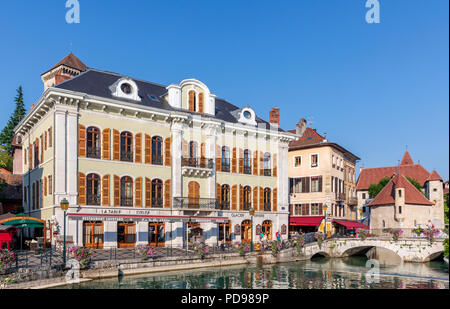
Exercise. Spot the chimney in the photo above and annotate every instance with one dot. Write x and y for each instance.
(274, 116)
(361, 168)
(301, 127)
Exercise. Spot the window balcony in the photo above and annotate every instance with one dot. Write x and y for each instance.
(93, 152)
(157, 160)
(197, 167)
(225, 167)
(267, 172)
(267, 207)
(247, 205)
(126, 156)
(94, 200)
(223, 205)
(157, 203)
(126, 201)
(247, 170)
(188, 203)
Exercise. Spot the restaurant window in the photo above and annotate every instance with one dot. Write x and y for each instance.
(126, 234)
(314, 160)
(156, 234)
(157, 193)
(157, 150)
(93, 143)
(93, 189)
(93, 234)
(126, 191)
(126, 147)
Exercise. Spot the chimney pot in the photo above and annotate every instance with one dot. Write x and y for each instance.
(301, 127)
(274, 116)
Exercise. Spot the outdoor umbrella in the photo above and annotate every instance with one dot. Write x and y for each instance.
(21, 221)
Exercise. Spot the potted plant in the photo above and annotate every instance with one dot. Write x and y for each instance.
(201, 249)
(82, 254)
(145, 252)
(243, 248)
(7, 257)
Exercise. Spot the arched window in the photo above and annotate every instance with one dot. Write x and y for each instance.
(126, 147)
(157, 150)
(267, 199)
(126, 191)
(225, 196)
(157, 193)
(267, 168)
(247, 197)
(247, 162)
(93, 189)
(267, 229)
(225, 159)
(93, 143)
(192, 101)
(246, 234)
(192, 160)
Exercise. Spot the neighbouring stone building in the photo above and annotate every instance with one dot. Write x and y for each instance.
(321, 173)
(143, 163)
(400, 204)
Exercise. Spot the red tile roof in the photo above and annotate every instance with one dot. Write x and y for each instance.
(412, 195)
(407, 160)
(434, 176)
(72, 61)
(309, 137)
(369, 176)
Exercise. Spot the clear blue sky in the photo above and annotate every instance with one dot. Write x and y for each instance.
(373, 88)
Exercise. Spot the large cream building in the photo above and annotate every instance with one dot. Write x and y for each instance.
(321, 173)
(145, 163)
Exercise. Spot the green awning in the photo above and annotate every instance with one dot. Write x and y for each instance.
(22, 221)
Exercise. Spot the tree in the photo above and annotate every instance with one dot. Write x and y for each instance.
(19, 113)
(6, 161)
(375, 188)
(415, 183)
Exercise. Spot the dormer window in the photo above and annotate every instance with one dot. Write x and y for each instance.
(247, 115)
(126, 88)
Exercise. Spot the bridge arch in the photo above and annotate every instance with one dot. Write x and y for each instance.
(438, 254)
(320, 254)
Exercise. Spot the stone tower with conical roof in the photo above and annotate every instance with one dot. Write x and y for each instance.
(67, 68)
(434, 190)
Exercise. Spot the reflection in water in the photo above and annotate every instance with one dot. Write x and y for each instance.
(320, 273)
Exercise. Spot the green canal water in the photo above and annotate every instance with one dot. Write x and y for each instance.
(319, 273)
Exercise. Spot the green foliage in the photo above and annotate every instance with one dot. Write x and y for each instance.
(446, 248)
(7, 134)
(374, 189)
(446, 208)
(6, 160)
(416, 184)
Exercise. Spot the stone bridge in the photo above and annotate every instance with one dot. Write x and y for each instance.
(406, 250)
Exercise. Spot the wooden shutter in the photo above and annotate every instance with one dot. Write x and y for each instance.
(148, 193)
(81, 141)
(203, 150)
(218, 192)
(255, 198)
(106, 144)
(105, 190)
(167, 152)
(320, 209)
(234, 197)
(218, 158)
(50, 137)
(167, 194)
(138, 148)
(81, 189)
(30, 157)
(41, 195)
(261, 163)
(25, 156)
(148, 149)
(116, 190)
(320, 183)
(275, 164)
(241, 161)
(50, 184)
(138, 192)
(45, 186)
(255, 162)
(45, 140)
(116, 146)
(234, 161)
(200, 103)
(191, 101)
(42, 148)
(275, 199)
(241, 197)
(261, 199)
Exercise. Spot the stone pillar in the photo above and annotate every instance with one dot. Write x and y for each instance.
(176, 153)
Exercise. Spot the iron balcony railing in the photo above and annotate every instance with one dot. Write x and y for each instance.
(267, 207)
(126, 201)
(194, 203)
(126, 156)
(93, 152)
(340, 197)
(225, 167)
(157, 160)
(247, 205)
(157, 202)
(223, 205)
(94, 200)
(267, 172)
(198, 162)
(247, 170)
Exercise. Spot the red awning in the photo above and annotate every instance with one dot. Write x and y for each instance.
(305, 221)
(351, 224)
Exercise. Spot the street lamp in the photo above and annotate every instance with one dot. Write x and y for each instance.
(251, 211)
(325, 207)
(64, 204)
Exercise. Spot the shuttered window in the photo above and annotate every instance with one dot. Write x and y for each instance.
(138, 148)
(275, 164)
(81, 141)
(138, 191)
(241, 197)
(255, 198)
(41, 195)
(45, 186)
(218, 192)
(261, 164)
(234, 197)
(106, 144)
(105, 190)
(261, 199)
(81, 189)
(255, 163)
(50, 137)
(192, 104)
(42, 148)
(148, 149)
(148, 193)
(241, 161)
(45, 140)
(116, 146)
(50, 185)
(200, 103)
(167, 152)
(234, 161)
(167, 194)
(275, 200)
(116, 190)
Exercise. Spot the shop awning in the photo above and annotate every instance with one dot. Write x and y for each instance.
(351, 225)
(305, 221)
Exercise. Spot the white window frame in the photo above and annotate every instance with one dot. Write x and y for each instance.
(301, 161)
(310, 160)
